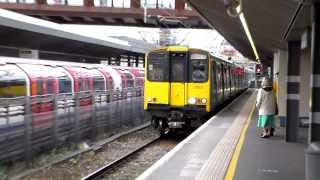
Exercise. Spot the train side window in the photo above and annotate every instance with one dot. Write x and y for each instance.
(130, 80)
(40, 87)
(64, 81)
(12, 81)
(98, 84)
(86, 84)
(111, 85)
(219, 78)
(50, 86)
(226, 77)
(65, 85)
(80, 82)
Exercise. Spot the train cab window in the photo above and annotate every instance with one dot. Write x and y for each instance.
(198, 67)
(158, 66)
(178, 61)
(12, 81)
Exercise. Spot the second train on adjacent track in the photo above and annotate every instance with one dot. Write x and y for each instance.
(182, 84)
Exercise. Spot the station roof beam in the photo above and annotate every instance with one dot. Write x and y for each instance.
(92, 12)
(20, 31)
(268, 21)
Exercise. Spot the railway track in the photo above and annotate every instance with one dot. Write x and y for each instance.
(99, 174)
(97, 147)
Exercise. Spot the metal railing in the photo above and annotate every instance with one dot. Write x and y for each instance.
(29, 125)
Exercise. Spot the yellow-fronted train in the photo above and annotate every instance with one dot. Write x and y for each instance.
(183, 84)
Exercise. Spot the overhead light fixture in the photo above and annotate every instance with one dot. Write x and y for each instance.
(231, 7)
(247, 31)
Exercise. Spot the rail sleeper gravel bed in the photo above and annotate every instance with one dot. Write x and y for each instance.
(86, 163)
(139, 162)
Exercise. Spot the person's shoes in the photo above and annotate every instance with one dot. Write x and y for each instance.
(272, 132)
(265, 136)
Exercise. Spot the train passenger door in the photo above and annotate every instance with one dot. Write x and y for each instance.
(223, 81)
(219, 83)
(214, 89)
(178, 74)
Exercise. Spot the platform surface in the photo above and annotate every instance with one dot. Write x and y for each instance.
(207, 152)
(187, 158)
(272, 158)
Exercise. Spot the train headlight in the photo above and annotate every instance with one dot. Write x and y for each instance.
(192, 100)
(203, 101)
(149, 99)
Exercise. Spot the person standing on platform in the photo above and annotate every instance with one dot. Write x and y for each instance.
(266, 105)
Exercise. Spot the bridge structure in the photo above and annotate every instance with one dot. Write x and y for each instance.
(143, 13)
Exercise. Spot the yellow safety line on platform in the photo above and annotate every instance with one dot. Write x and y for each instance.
(234, 161)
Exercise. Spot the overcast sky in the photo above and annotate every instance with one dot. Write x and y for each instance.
(204, 39)
(198, 38)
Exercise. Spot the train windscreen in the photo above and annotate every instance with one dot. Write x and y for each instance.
(178, 63)
(158, 66)
(198, 67)
(12, 81)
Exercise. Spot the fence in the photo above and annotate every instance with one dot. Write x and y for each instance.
(29, 125)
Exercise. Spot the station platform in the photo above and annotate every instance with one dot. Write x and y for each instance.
(228, 147)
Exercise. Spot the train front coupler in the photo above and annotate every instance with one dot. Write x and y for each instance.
(176, 119)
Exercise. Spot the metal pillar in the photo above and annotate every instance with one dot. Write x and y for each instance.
(312, 160)
(314, 134)
(41, 2)
(135, 4)
(88, 3)
(293, 84)
(137, 61)
(118, 61)
(143, 61)
(305, 69)
(129, 60)
(179, 4)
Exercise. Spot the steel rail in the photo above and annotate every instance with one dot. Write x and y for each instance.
(96, 147)
(101, 171)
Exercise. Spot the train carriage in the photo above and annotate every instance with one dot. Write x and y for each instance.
(182, 84)
(41, 80)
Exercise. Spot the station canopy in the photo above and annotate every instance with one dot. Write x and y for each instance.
(21, 31)
(270, 23)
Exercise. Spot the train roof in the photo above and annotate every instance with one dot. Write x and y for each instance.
(14, 60)
(186, 48)
(176, 48)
